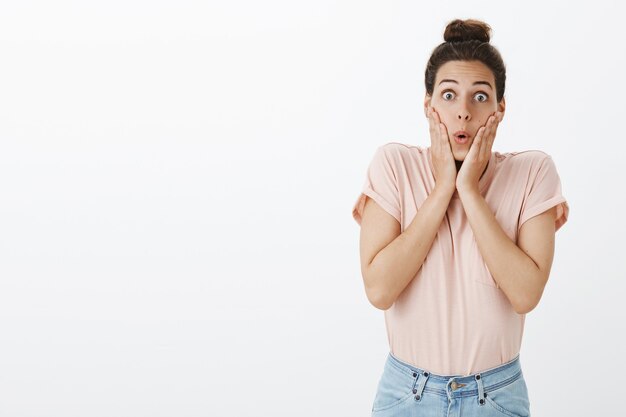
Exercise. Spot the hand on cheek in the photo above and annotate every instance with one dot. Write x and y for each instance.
(478, 156)
(441, 152)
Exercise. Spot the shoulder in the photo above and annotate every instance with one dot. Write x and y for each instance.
(528, 160)
(402, 153)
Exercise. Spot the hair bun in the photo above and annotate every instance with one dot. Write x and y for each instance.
(466, 30)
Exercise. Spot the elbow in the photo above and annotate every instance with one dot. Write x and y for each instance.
(377, 294)
(523, 309)
(526, 305)
(528, 301)
(379, 299)
(381, 304)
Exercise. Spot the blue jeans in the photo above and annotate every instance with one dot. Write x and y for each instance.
(404, 390)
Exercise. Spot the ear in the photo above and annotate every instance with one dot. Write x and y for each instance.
(426, 104)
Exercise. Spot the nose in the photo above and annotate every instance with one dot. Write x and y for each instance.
(463, 114)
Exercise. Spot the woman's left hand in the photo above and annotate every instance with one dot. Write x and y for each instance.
(478, 156)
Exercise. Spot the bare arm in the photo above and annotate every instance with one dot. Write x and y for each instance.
(390, 259)
(521, 270)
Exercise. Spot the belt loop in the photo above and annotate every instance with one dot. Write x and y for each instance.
(481, 392)
(420, 387)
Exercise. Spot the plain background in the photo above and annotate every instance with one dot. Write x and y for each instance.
(176, 186)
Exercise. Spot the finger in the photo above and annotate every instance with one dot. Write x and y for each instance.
(443, 135)
(438, 126)
(495, 129)
(475, 147)
(486, 135)
(442, 129)
(492, 136)
(478, 140)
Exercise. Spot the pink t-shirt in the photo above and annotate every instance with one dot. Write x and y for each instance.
(452, 318)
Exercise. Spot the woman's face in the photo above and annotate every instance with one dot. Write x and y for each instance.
(464, 96)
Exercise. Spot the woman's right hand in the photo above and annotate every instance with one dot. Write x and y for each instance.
(441, 153)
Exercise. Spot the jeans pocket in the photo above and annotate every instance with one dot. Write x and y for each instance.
(395, 387)
(510, 400)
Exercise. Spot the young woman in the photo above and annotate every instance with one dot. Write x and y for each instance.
(457, 243)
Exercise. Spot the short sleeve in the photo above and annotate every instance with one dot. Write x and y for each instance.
(543, 193)
(380, 185)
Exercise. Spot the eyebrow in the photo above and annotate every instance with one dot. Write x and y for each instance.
(475, 83)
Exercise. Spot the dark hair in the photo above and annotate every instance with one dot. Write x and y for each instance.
(466, 40)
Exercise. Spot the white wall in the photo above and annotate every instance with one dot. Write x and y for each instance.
(176, 181)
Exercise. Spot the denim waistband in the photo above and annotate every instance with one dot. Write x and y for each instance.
(458, 385)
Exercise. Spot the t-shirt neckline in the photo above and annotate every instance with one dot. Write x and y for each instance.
(484, 180)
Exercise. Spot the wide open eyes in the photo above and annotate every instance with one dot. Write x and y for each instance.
(482, 96)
